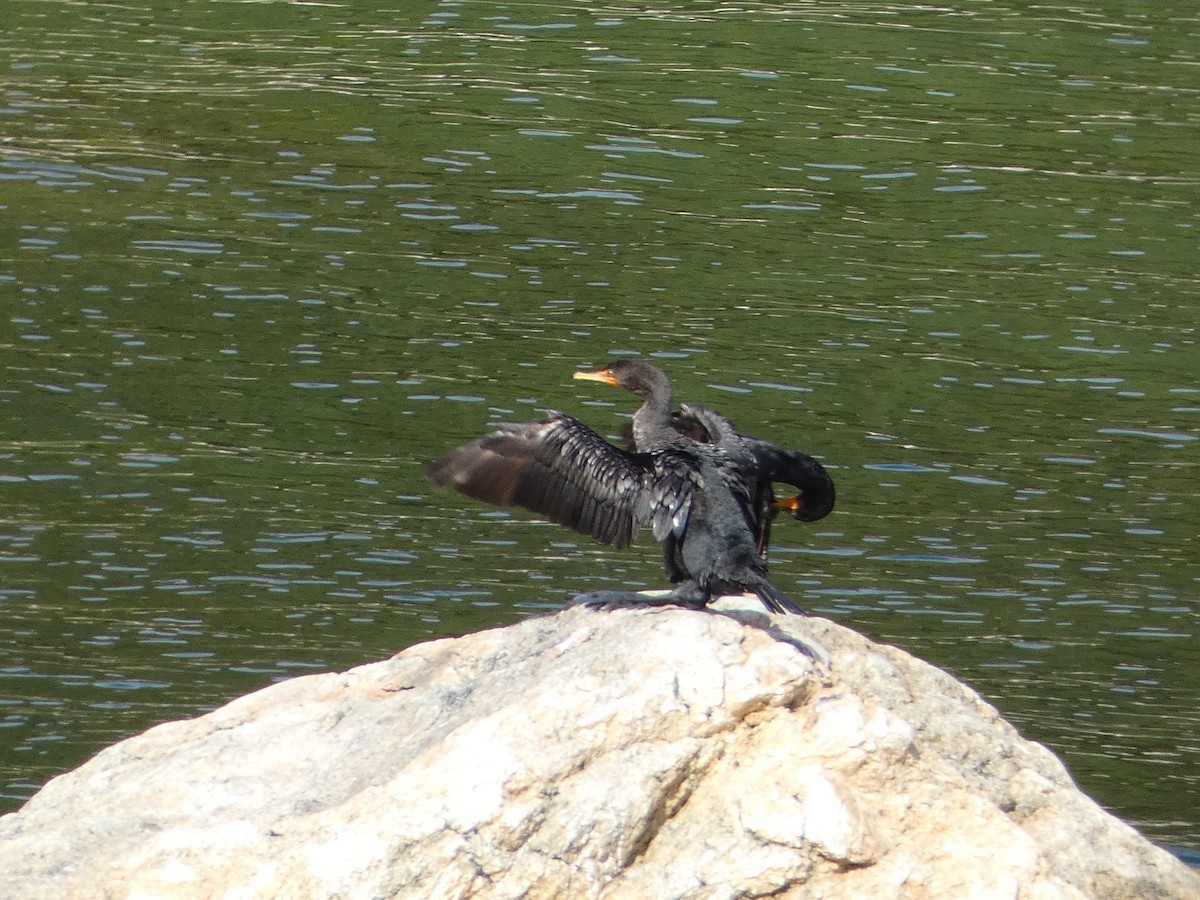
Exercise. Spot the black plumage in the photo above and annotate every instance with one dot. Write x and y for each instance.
(765, 465)
(562, 469)
(694, 495)
(759, 464)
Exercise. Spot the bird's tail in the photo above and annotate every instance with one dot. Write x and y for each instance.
(774, 599)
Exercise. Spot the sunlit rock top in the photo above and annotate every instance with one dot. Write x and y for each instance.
(630, 754)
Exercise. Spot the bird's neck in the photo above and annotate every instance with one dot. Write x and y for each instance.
(652, 419)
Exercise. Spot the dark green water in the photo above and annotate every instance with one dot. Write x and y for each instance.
(261, 261)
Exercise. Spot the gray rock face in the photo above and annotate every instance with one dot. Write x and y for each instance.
(632, 754)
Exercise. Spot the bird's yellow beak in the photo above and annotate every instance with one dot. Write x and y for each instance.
(791, 505)
(603, 376)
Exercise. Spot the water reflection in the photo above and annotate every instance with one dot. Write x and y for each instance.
(261, 268)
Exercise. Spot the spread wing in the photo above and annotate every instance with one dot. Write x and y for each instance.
(560, 468)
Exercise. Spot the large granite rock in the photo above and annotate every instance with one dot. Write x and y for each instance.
(632, 754)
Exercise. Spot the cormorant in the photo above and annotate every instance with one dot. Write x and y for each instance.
(695, 494)
(766, 465)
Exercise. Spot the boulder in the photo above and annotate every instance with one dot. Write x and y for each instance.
(651, 753)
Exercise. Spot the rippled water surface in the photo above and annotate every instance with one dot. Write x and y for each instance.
(261, 261)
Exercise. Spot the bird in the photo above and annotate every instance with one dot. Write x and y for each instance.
(692, 493)
(769, 464)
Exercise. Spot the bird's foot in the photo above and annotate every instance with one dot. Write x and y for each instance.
(608, 600)
(602, 600)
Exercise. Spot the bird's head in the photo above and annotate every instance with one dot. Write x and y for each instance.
(635, 375)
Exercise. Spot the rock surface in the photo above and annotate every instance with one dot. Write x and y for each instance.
(631, 754)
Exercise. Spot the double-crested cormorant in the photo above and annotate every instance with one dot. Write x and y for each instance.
(764, 465)
(694, 494)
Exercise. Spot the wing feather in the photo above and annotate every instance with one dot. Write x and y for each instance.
(770, 463)
(563, 470)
